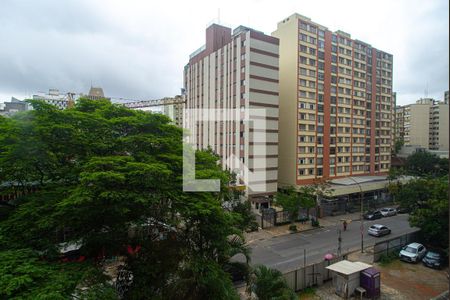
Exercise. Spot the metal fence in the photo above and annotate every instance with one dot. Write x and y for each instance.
(271, 217)
(310, 275)
(345, 204)
(394, 244)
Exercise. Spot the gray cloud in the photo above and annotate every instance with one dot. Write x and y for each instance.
(137, 49)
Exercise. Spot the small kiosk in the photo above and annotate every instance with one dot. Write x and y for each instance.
(346, 276)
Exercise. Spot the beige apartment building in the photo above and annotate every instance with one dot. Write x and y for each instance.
(237, 71)
(424, 123)
(336, 104)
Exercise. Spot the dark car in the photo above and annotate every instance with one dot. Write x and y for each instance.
(435, 259)
(403, 210)
(373, 215)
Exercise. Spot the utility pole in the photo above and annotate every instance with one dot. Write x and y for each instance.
(339, 243)
(361, 212)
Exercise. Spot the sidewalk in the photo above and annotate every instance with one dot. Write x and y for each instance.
(329, 221)
(336, 220)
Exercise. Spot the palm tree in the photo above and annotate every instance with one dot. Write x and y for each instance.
(269, 284)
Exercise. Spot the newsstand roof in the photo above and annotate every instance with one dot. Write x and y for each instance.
(347, 267)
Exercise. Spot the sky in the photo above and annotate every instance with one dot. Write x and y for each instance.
(137, 49)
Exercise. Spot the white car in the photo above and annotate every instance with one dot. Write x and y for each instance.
(378, 230)
(413, 252)
(388, 211)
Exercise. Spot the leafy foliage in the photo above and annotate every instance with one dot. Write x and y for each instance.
(111, 178)
(292, 200)
(427, 199)
(25, 276)
(269, 284)
(426, 163)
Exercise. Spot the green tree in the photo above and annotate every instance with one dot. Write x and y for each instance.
(426, 163)
(25, 276)
(307, 198)
(110, 178)
(427, 199)
(398, 145)
(291, 200)
(288, 199)
(321, 188)
(269, 284)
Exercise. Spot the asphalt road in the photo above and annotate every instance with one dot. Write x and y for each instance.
(286, 252)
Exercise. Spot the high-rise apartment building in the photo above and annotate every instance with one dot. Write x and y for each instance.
(424, 123)
(237, 72)
(175, 113)
(336, 103)
(399, 124)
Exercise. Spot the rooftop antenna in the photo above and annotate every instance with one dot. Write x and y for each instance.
(426, 91)
(218, 16)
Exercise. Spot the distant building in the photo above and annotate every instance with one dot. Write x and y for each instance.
(424, 124)
(175, 113)
(14, 106)
(336, 104)
(66, 100)
(54, 97)
(95, 93)
(446, 96)
(233, 73)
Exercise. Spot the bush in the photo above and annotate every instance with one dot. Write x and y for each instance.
(386, 259)
(293, 228)
(252, 227)
(315, 223)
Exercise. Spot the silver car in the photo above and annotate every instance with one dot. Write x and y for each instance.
(378, 230)
(388, 211)
(412, 252)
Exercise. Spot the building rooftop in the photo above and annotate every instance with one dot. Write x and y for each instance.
(347, 267)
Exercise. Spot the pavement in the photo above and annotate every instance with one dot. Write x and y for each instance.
(329, 221)
(285, 251)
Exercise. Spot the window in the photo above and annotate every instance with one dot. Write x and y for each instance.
(321, 65)
(321, 55)
(321, 44)
(321, 76)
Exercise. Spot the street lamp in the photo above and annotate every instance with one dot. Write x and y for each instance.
(361, 213)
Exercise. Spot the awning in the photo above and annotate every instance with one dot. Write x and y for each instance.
(347, 267)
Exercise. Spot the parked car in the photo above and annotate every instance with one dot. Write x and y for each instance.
(372, 215)
(403, 210)
(435, 259)
(412, 252)
(378, 230)
(388, 211)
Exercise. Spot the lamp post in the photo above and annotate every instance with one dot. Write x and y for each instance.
(361, 212)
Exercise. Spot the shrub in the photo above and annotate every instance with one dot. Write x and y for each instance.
(293, 228)
(386, 259)
(315, 223)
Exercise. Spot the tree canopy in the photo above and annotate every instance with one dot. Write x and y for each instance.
(426, 163)
(291, 200)
(427, 199)
(110, 178)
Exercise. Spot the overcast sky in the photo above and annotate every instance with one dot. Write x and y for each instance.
(137, 49)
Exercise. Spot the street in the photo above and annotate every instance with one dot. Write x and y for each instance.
(285, 252)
